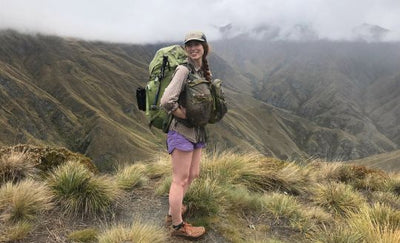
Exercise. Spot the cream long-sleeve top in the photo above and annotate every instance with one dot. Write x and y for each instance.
(170, 102)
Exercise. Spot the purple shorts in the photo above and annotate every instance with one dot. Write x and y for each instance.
(177, 141)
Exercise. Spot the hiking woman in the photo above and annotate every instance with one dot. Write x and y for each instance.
(185, 142)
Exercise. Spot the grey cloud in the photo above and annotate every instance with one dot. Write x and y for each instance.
(158, 20)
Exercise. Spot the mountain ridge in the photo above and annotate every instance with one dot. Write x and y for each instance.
(80, 95)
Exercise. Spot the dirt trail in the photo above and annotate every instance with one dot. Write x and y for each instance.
(144, 205)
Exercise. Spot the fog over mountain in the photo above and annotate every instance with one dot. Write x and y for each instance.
(161, 21)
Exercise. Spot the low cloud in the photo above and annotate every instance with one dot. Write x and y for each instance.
(159, 21)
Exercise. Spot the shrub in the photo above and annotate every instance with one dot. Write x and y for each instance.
(131, 176)
(138, 232)
(15, 166)
(78, 191)
(337, 197)
(24, 200)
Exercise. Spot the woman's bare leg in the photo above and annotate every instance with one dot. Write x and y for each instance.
(194, 168)
(181, 164)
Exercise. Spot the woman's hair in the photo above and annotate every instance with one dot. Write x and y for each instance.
(205, 68)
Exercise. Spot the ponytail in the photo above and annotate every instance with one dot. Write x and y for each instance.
(205, 67)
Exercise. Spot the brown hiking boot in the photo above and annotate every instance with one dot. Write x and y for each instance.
(189, 232)
(168, 218)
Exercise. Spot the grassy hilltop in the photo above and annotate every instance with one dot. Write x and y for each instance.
(239, 197)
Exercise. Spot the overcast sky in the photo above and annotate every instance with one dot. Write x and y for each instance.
(137, 21)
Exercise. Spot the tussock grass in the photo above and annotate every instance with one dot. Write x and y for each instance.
(387, 198)
(358, 176)
(281, 206)
(257, 172)
(15, 232)
(162, 167)
(394, 183)
(85, 235)
(373, 231)
(230, 168)
(206, 197)
(138, 232)
(163, 186)
(339, 234)
(24, 200)
(338, 198)
(241, 199)
(131, 176)
(379, 218)
(79, 191)
(15, 166)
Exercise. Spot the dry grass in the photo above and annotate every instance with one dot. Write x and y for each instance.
(129, 177)
(15, 232)
(138, 232)
(376, 221)
(244, 197)
(85, 235)
(338, 198)
(80, 192)
(206, 197)
(15, 166)
(24, 200)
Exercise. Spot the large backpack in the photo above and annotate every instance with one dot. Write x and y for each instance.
(161, 70)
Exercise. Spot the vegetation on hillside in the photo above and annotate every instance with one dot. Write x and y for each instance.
(238, 197)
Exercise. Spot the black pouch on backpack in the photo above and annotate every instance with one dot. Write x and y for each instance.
(141, 98)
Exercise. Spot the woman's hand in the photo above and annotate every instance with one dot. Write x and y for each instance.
(180, 112)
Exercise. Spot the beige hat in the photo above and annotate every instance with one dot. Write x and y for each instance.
(195, 35)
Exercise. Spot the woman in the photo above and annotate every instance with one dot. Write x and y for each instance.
(185, 142)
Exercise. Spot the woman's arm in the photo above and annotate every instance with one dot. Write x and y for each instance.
(169, 100)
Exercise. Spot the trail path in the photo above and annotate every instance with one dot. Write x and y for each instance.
(147, 207)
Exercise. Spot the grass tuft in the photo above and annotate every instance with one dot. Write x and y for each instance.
(15, 232)
(138, 232)
(79, 191)
(85, 235)
(24, 200)
(206, 197)
(338, 234)
(15, 166)
(131, 176)
(338, 198)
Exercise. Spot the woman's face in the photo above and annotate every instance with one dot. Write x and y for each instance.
(194, 50)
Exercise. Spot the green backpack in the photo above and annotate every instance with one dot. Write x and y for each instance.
(161, 70)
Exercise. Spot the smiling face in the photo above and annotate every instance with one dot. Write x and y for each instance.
(195, 50)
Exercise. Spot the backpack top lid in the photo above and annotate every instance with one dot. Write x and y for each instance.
(175, 53)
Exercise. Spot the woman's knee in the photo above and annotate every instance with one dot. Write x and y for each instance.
(181, 180)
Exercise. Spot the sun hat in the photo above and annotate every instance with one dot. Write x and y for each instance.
(195, 35)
